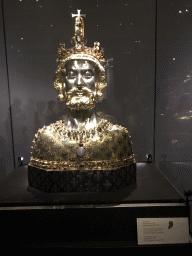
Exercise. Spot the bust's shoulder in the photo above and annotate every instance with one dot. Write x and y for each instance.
(118, 131)
(107, 117)
(48, 131)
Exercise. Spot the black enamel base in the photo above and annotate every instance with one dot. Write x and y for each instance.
(81, 180)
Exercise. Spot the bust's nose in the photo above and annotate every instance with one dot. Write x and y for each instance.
(79, 81)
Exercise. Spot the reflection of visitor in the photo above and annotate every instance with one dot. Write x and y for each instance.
(50, 113)
(170, 224)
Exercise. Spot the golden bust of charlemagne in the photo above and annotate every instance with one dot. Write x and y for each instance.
(84, 151)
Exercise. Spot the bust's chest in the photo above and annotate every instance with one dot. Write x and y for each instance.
(104, 142)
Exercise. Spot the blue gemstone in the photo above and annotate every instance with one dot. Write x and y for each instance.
(74, 135)
(88, 134)
(81, 135)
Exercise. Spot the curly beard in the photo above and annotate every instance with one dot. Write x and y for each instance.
(80, 99)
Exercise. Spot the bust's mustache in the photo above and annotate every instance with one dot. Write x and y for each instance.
(84, 91)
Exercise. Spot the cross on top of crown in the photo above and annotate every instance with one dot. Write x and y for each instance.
(78, 14)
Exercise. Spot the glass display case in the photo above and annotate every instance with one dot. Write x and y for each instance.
(147, 47)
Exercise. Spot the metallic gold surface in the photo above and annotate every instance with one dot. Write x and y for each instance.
(84, 140)
(106, 146)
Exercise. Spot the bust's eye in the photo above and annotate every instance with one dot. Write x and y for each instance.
(71, 74)
(88, 74)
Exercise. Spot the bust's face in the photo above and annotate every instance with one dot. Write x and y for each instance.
(80, 84)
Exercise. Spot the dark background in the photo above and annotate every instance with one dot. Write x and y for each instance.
(149, 80)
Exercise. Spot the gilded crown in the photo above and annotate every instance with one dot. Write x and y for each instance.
(79, 41)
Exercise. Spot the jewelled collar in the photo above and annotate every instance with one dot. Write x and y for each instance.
(81, 135)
